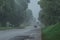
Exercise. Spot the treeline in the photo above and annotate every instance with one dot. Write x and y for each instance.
(50, 12)
(13, 11)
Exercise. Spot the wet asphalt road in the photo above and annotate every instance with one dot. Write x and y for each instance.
(21, 34)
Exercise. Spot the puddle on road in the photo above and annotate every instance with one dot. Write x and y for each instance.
(32, 35)
(22, 38)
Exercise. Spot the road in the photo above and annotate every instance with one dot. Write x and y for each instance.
(16, 34)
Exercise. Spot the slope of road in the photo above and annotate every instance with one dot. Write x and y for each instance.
(6, 35)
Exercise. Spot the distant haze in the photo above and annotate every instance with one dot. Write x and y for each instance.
(33, 5)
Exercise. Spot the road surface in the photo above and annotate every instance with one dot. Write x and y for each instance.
(21, 34)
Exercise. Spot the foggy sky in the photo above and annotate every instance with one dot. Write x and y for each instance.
(33, 5)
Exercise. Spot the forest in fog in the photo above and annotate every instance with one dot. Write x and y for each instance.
(14, 12)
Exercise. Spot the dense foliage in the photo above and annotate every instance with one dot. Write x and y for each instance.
(50, 12)
(13, 11)
(50, 16)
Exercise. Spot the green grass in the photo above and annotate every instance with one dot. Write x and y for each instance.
(5, 28)
(8, 28)
(51, 32)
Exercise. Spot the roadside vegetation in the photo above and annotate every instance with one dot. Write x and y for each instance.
(50, 16)
(51, 32)
(13, 13)
(5, 28)
(9, 28)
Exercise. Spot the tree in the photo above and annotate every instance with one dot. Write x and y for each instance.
(28, 17)
(11, 11)
(50, 11)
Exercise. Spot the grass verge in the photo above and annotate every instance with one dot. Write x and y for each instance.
(5, 28)
(51, 32)
(8, 28)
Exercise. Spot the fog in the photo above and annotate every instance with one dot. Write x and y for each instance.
(33, 5)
